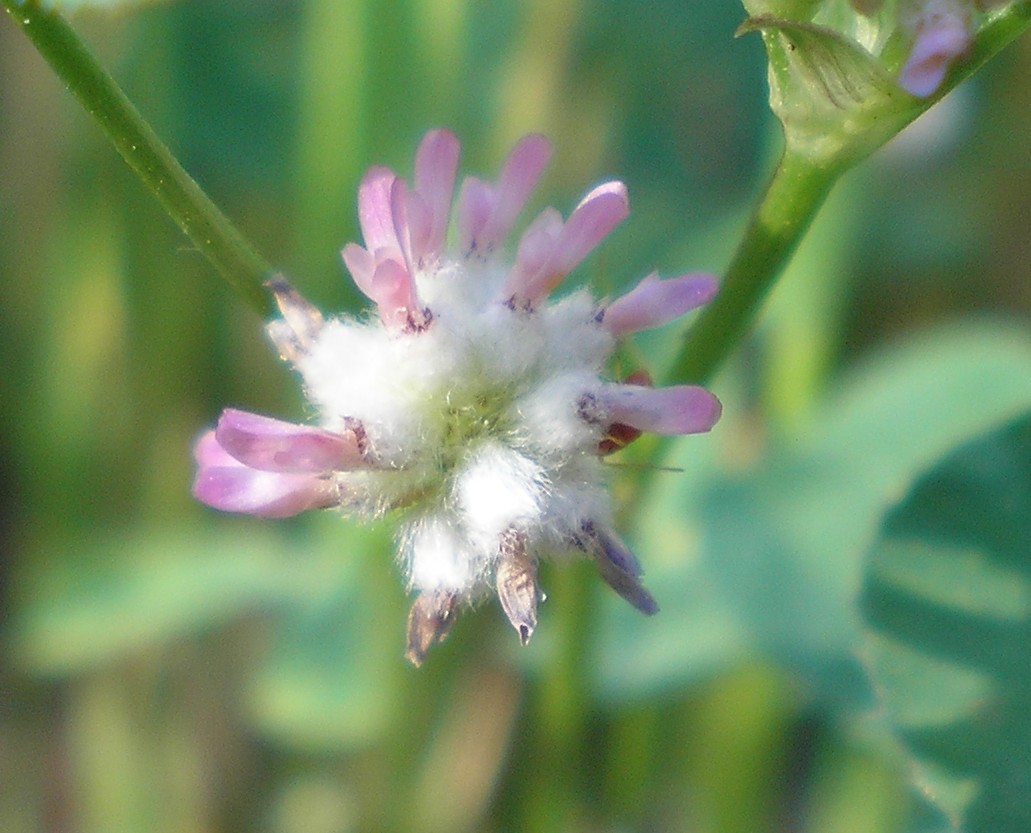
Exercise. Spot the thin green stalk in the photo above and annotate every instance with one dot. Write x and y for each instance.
(199, 218)
(796, 192)
(783, 216)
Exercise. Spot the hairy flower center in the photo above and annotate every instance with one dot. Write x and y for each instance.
(482, 415)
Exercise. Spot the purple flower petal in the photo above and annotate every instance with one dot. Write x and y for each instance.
(535, 251)
(362, 265)
(683, 409)
(375, 212)
(225, 483)
(208, 453)
(265, 494)
(472, 213)
(617, 566)
(436, 164)
(941, 38)
(654, 302)
(518, 177)
(271, 445)
(596, 215)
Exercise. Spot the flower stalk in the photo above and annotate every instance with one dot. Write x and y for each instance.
(799, 186)
(797, 190)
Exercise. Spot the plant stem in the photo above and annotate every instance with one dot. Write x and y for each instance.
(199, 218)
(796, 192)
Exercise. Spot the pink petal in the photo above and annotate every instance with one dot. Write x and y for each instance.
(403, 203)
(654, 302)
(262, 493)
(472, 212)
(596, 215)
(225, 483)
(436, 163)
(394, 293)
(207, 452)
(362, 266)
(683, 409)
(941, 39)
(421, 249)
(536, 249)
(273, 445)
(375, 212)
(384, 280)
(518, 178)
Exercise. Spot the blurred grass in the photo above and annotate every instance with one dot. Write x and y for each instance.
(274, 698)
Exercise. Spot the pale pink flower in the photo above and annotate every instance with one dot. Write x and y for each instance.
(943, 32)
(471, 400)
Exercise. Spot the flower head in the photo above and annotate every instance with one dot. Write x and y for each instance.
(943, 33)
(470, 400)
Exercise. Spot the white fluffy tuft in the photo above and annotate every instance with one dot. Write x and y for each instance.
(549, 419)
(439, 557)
(497, 490)
(478, 422)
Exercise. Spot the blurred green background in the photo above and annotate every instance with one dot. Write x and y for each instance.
(169, 669)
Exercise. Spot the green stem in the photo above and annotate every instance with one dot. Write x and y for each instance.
(1000, 31)
(796, 192)
(199, 218)
(782, 217)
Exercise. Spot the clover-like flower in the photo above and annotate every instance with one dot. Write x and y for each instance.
(943, 32)
(470, 402)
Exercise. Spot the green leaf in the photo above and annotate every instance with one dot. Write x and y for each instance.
(836, 101)
(947, 607)
(785, 543)
(130, 593)
(769, 562)
(329, 680)
(326, 678)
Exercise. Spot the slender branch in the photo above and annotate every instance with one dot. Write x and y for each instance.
(794, 195)
(199, 218)
(1002, 28)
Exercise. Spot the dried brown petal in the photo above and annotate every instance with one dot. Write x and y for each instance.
(517, 586)
(429, 621)
(301, 322)
(617, 437)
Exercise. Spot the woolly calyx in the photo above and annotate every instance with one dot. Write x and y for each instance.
(469, 403)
